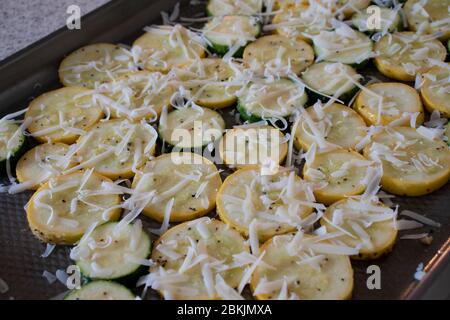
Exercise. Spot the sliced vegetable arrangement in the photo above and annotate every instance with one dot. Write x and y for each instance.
(141, 132)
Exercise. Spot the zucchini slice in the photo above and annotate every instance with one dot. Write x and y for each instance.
(299, 267)
(116, 148)
(95, 64)
(191, 180)
(368, 225)
(430, 16)
(225, 32)
(214, 244)
(164, 47)
(302, 21)
(12, 141)
(231, 7)
(390, 20)
(331, 79)
(329, 126)
(277, 98)
(403, 55)
(208, 81)
(435, 90)
(264, 145)
(383, 103)
(113, 251)
(413, 163)
(43, 162)
(136, 96)
(343, 45)
(338, 174)
(101, 290)
(62, 115)
(275, 203)
(188, 128)
(279, 53)
(64, 208)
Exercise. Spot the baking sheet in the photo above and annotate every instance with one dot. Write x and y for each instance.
(34, 71)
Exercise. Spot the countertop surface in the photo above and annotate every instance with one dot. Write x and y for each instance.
(23, 22)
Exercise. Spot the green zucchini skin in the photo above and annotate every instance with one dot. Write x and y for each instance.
(314, 96)
(221, 50)
(15, 156)
(245, 115)
(128, 279)
(107, 285)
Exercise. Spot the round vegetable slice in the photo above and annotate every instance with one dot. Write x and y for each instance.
(164, 47)
(113, 251)
(215, 245)
(430, 16)
(262, 145)
(265, 204)
(278, 53)
(12, 141)
(116, 148)
(388, 102)
(136, 96)
(343, 45)
(338, 174)
(95, 64)
(302, 21)
(435, 89)
(390, 20)
(63, 209)
(327, 79)
(101, 290)
(42, 163)
(329, 126)
(187, 128)
(231, 7)
(209, 82)
(413, 163)
(367, 225)
(226, 32)
(403, 55)
(189, 179)
(62, 115)
(300, 267)
(270, 99)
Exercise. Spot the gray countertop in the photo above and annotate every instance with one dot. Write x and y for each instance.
(23, 22)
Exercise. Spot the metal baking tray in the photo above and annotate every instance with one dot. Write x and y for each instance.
(33, 71)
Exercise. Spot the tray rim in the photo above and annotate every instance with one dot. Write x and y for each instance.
(435, 267)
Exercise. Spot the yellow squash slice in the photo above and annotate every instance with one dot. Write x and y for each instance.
(62, 115)
(303, 267)
(266, 204)
(164, 47)
(214, 245)
(413, 163)
(116, 148)
(435, 89)
(384, 103)
(95, 64)
(367, 225)
(191, 180)
(63, 209)
(338, 174)
(403, 55)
